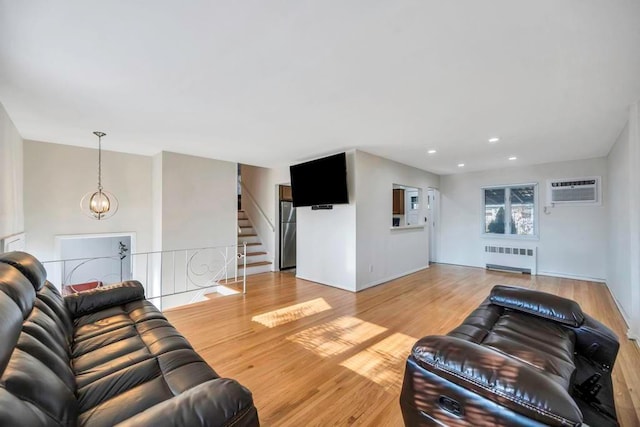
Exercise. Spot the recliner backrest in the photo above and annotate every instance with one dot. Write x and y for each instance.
(37, 385)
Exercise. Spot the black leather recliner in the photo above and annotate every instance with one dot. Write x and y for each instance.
(523, 358)
(101, 358)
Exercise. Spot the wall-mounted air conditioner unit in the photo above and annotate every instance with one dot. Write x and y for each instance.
(574, 191)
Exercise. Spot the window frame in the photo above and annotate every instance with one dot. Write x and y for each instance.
(507, 208)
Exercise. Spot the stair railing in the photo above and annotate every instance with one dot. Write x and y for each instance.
(253, 201)
(170, 278)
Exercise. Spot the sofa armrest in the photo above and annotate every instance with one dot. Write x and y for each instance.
(498, 377)
(597, 343)
(104, 297)
(541, 304)
(216, 403)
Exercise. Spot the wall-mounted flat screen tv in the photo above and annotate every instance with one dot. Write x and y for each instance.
(320, 182)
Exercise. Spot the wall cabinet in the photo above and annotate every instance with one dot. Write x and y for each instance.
(285, 193)
(398, 201)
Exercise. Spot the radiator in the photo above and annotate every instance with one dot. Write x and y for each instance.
(510, 258)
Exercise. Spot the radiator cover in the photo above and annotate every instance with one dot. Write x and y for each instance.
(513, 258)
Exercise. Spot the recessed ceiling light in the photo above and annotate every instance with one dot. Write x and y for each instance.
(460, 165)
(431, 152)
(513, 158)
(494, 140)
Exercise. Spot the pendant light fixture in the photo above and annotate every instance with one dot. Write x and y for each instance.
(99, 204)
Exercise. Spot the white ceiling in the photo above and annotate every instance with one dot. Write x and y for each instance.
(276, 82)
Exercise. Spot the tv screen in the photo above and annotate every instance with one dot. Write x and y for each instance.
(320, 182)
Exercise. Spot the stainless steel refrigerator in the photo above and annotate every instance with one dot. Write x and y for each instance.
(287, 235)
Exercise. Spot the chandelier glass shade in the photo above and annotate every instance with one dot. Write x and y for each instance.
(101, 204)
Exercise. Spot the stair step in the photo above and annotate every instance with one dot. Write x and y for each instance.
(246, 226)
(250, 244)
(247, 235)
(256, 264)
(256, 253)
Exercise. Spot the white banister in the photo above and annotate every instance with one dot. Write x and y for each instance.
(194, 272)
(255, 203)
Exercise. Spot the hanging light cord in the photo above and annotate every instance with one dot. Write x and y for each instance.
(99, 135)
(100, 164)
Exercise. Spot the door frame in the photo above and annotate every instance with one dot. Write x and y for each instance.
(433, 218)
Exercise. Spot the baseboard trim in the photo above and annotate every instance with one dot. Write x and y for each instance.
(388, 279)
(540, 273)
(333, 285)
(631, 334)
(571, 276)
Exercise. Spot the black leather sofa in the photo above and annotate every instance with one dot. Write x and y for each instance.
(523, 358)
(101, 358)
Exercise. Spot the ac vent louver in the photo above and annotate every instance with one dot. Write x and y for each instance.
(574, 191)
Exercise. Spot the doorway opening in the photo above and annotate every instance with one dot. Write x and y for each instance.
(433, 222)
(100, 259)
(286, 228)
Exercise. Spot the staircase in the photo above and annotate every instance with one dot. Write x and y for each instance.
(257, 258)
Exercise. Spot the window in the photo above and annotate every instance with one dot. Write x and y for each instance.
(406, 206)
(510, 211)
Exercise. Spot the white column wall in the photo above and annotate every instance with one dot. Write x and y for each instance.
(326, 240)
(384, 253)
(199, 202)
(623, 276)
(11, 178)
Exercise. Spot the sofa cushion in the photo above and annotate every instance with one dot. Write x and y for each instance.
(498, 377)
(28, 265)
(16, 287)
(130, 353)
(479, 323)
(544, 344)
(37, 372)
(548, 306)
(15, 304)
(113, 357)
(104, 297)
(538, 342)
(51, 297)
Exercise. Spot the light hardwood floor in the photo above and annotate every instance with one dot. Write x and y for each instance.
(314, 355)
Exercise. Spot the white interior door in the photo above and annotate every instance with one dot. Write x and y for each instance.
(412, 207)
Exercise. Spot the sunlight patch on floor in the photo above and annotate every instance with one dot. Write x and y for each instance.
(337, 336)
(291, 313)
(383, 362)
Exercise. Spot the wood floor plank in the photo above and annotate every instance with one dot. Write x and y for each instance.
(316, 355)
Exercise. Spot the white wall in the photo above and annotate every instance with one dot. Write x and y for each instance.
(572, 239)
(156, 201)
(199, 202)
(326, 240)
(262, 184)
(383, 253)
(623, 277)
(57, 176)
(11, 177)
